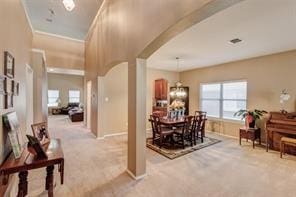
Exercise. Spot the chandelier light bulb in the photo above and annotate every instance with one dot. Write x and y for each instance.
(69, 5)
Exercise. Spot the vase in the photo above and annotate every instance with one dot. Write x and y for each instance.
(252, 124)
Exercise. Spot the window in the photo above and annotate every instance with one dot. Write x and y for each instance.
(53, 97)
(74, 96)
(222, 100)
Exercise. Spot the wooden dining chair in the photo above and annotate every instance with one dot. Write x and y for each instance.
(200, 126)
(159, 131)
(183, 132)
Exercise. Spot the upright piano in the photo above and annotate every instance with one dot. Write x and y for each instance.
(277, 126)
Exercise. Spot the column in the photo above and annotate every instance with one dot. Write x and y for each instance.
(136, 165)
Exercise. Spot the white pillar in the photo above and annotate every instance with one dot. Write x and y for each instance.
(100, 131)
(136, 165)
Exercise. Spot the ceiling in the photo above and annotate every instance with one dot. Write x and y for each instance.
(74, 24)
(265, 27)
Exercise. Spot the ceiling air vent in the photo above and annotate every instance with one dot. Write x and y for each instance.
(236, 40)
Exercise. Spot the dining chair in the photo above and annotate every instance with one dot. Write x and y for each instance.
(183, 131)
(200, 126)
(160, 131)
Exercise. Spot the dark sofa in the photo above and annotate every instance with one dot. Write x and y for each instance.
(76, 114)
(70, 106)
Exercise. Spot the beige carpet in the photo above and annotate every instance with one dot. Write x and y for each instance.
(97, 168)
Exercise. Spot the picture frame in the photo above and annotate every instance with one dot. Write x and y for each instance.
(8, 85)
(8, 101)
(8, 65)
(11, 127)
(15, 88)
(2, 85)
(15, 144)
(40, 131)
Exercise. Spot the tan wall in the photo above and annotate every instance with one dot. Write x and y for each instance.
(127, 29)
(15, 37)
(266, 77)
(60, 52)
(64, 83)
(115, 88)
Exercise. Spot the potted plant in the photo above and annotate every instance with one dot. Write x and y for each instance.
(250, 116)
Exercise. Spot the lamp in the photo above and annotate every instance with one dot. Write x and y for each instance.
(178, 91)
(69, 5)
(58, 101)
(285, 96)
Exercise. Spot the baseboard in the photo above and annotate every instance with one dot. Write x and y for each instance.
(112, 135)
(135, 177)
(225, 135)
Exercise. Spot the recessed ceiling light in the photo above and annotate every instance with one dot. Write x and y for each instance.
(69, 5)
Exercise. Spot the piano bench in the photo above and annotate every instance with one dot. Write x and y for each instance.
(286, 141)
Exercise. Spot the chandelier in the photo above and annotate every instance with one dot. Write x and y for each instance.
(178, 91)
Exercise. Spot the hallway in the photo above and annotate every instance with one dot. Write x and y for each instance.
(97, 168)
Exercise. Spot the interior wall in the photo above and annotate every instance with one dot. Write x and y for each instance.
(64, 83)
(17, 39)
(60, 52)
(127, 29)
(267, 76)
(114, 96)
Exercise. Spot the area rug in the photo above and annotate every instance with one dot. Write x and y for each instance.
(178, 151)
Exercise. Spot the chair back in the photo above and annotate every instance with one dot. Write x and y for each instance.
(155, 123)
(200, 113)
(200, 121)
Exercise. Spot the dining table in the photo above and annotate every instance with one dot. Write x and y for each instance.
(172, 121)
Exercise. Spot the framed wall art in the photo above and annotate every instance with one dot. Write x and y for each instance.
(8, 86)
(8, 65)
(2, 85)
(15, 88)
(8, 100)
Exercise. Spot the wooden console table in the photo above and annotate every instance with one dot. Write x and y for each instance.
(27, 162)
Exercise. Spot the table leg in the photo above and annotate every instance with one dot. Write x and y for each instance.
(253, 143)
(61, 170)
(49, 180)
(240, 140)
(267, 140)
(23, 184)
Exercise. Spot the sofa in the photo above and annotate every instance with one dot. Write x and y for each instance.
(76, 114)
(70, 106)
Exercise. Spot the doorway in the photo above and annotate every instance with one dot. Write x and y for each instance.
(29, 96)
(88, 104)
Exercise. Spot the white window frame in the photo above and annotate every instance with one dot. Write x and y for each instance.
(221, 99)
(74, 97)
(48, 104)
